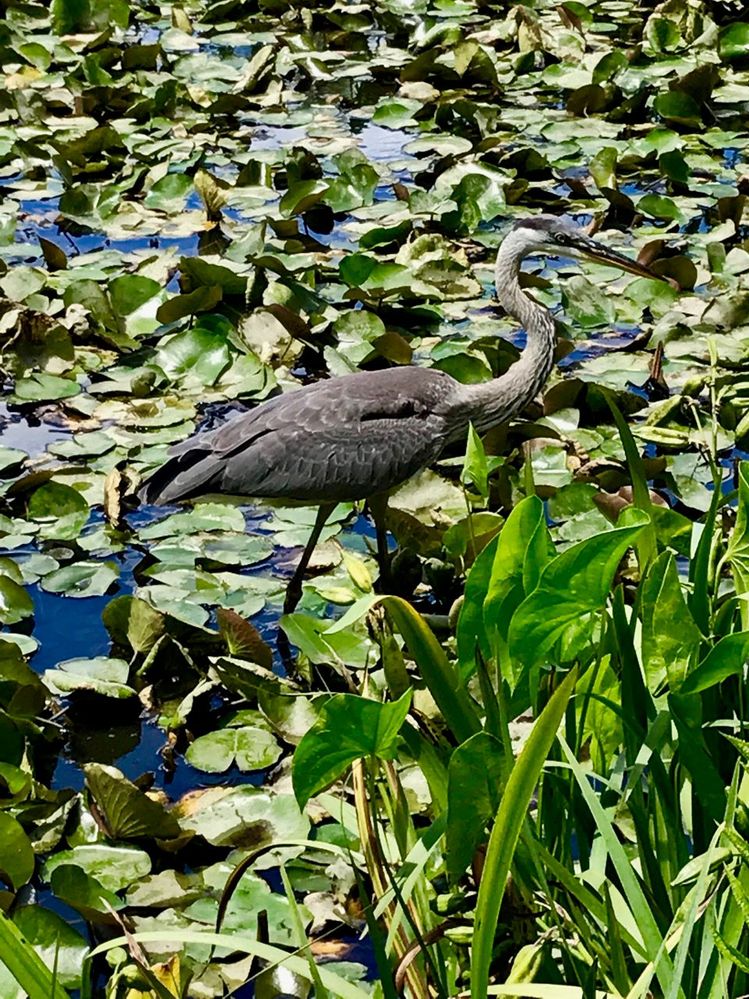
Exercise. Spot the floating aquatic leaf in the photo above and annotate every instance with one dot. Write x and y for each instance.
(11, 458)
(107, 677)
(72, 885)
(356, 184)
(17, 861)
(434, 265)
(199, 352)
(251, 748)
(168, 194)
(242, 638)
(62, 510)
(203, 517)
(734, 42)
(43, 387)
(15, 602)
(81, 579)
(133, 622)
(114, 867)
(242, 817)
(58, 944)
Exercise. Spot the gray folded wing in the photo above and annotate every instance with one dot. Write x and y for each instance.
(341, 439)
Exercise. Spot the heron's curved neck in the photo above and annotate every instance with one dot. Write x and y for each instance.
(496, 401)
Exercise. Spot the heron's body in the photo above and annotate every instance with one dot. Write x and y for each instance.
(341, 439)
(361, 435)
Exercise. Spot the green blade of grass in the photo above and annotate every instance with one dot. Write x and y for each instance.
(699, 568)
(689, 910)
(506, 831)
(638, 904)
(302, 942)
(25, 965)
(582, 894)
(535, 990)
(440, 677)
(646, 543)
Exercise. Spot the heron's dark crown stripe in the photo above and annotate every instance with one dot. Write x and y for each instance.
(539, 222)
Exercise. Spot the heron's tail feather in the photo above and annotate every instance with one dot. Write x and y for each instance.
(181, 477)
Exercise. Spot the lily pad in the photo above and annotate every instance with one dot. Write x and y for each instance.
(127, 812)
(15, 602)
(101, 675)
(58, 944)
(242, 817)
(250, 748)
(81, 579)
(114, 866)
(17, 860)
(62, 510)
(203, 517)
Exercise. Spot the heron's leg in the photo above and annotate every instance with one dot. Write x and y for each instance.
(378, 506)
(294, 589)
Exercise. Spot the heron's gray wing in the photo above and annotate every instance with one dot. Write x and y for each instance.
(344, 438)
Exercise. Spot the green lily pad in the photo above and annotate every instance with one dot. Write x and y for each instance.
(201, 353)
(734, 42)
(104, 676)
(81, 579)
(251, 748)
(17, 859)
(72, 885)
(203, 517)
(62, 510)
(114, 866)
(587, 304)
(15, 602)
(133, 622)
(168, 194)
(42, 387)
(11, 458)
(243, 817)
(57, 943)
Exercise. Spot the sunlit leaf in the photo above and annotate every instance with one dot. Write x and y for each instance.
(17, 860)
(571, 593)
(348, 728)
(126, 810)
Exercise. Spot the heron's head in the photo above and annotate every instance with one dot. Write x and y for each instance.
(556, 237)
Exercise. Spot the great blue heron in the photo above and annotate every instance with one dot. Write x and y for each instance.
(361, 435)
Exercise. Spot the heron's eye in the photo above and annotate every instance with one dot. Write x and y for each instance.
(560, 237)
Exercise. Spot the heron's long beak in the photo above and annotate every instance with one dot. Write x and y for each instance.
(597, 251)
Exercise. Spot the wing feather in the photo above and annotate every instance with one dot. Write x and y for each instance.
(340, 439)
